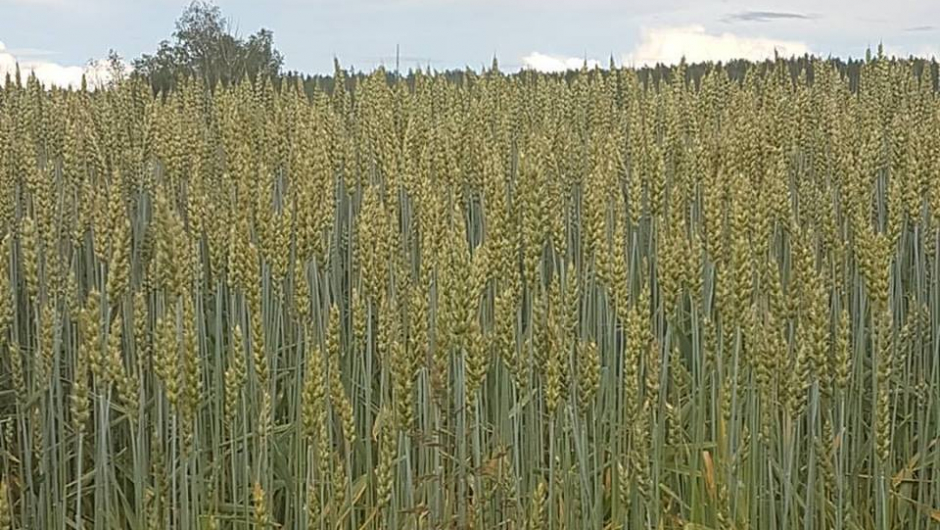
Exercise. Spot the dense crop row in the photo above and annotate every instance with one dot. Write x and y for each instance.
(597, 301)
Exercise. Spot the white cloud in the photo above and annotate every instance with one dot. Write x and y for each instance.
(49, 73)
(554, 63)
(669, 44)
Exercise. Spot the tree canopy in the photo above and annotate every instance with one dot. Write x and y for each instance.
(205, 45)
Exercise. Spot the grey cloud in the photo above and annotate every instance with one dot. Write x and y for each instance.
(920, 28)
(766, 16)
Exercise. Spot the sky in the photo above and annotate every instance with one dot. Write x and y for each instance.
(58, 38)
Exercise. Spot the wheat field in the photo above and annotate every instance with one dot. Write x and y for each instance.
(680, 298)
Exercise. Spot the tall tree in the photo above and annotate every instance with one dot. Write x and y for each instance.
(205, 45)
